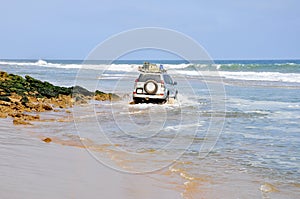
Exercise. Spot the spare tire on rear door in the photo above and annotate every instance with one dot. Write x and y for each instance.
(150, 87)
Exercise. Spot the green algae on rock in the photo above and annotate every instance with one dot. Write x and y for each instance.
(19, 95)
(29, 86)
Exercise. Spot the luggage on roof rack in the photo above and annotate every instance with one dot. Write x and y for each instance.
(151, 68)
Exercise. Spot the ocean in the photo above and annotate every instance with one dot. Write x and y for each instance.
(233, 132)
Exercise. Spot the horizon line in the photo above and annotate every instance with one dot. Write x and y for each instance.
(76, 59)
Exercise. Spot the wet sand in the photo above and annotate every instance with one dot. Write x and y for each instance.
(62, 168)
(33, 169)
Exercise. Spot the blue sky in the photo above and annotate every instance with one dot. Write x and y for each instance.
(65, 29)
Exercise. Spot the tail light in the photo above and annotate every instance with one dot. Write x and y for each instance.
(135, 82)
(162, 83)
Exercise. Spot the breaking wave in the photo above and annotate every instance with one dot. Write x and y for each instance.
(277, 71)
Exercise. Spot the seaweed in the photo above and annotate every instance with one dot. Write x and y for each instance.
(29, 86)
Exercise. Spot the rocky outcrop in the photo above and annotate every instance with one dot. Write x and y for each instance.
(100, 96)
(20, 95)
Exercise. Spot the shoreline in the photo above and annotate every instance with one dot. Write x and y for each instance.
(59, 171)
(64, 168)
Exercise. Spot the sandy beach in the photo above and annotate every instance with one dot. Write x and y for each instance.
(31, 168)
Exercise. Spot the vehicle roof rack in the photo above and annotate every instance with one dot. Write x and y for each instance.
(152, 68)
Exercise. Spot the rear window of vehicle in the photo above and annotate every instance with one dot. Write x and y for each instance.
(168, 79)
(146, 77)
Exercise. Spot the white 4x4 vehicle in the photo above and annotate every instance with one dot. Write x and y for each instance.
(154, 84)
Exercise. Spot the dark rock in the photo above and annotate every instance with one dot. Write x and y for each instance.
(82, 91)
(47, 140)
(19, 121)
(101, 96)
(4, 98)
(19, 95)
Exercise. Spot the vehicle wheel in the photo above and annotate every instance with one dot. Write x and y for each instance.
(167, 99)
(136, 100)
(151, 87)
(175, 97)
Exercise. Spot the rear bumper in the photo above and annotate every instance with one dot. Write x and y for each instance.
(143, 96)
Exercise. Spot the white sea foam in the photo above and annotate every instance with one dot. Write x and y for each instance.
(173, 69)
(122, 67)
(263, 76)
(257, 136)
(108, 67)
(288, 63)
(294, 106)
(40, 63)
(105, 67)
(250, 76)
(182, 126)
(175, 66)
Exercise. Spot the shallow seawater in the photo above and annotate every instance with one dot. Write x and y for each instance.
(222, 137)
